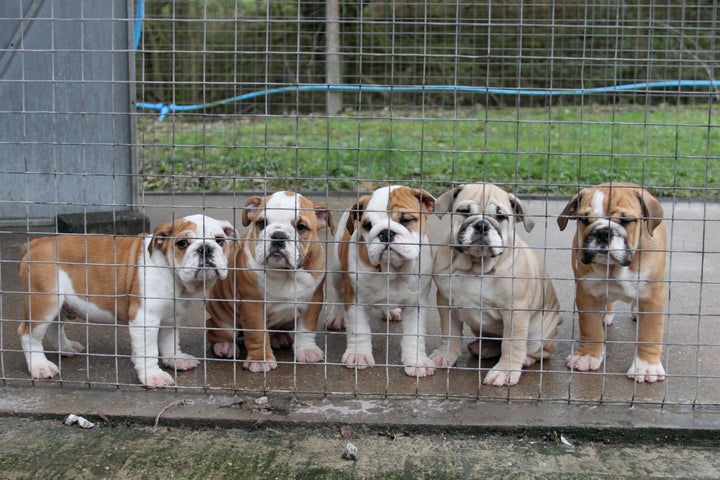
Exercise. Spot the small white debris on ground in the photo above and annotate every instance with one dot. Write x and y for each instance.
(81, 421)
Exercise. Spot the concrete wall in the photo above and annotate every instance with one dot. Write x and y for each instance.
(66, 136)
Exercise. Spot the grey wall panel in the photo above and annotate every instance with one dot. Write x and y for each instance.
(66, 129)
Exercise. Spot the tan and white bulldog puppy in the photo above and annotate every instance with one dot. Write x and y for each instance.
(144, 281)
(383, 262)
(618, 255)
(277, 273)
(488, 278)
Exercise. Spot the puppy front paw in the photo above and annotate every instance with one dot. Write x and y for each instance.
(643, 371)
(44, 369)
(359, 360)
(225, 350)
(182, 362)
(394, 315)
(335, 317)
(489, 349)
(280, 340)
(335, 323)
(424, 367)
(71, 348)
(157, 379)
(443, 358)
(260, 367)
(313, 354)
(502, 376)
(583, 363)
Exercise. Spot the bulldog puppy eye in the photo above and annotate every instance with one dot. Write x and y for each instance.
(182, 244)
(260, 224)
(367, 226)
(584, 220)
(624, 222)
(499, 216)
(301, 228)
(220, 241)
(463, 211)
(405, 221)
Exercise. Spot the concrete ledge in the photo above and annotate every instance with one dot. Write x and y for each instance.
(646, 422)
(124, 222)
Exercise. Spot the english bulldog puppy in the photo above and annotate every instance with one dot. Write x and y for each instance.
(382, 263)
(488, 278)
(144, 281)
(277, 273)
(618, 255)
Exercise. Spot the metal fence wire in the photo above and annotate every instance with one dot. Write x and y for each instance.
(121, 117)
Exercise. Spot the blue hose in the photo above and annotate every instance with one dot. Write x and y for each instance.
(166, 109)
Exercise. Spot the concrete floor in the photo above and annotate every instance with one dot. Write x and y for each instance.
(692, 335)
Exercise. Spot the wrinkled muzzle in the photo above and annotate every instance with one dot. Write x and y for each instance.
(480, 236)
(606, 243)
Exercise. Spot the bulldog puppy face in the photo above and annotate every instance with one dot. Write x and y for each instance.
(196, 247)
(390, 222)
(610, 220)
(483, 218)
(284, 226)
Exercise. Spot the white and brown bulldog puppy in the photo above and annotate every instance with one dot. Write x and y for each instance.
(488, 278)
(383, 262)
(618, 255)
(144, 281)
(277, 273)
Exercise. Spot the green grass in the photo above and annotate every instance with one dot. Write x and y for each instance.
(673, 151)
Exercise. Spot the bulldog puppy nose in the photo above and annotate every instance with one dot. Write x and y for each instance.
(205, 251)
(603, 235)
(278, 239)
(386, 236)
(481, 227)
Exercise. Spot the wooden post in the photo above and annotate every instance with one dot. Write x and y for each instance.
(333, 65)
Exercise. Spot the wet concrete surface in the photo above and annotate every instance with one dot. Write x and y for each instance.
(326, 395)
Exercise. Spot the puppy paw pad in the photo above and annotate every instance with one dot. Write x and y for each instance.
(225, 350)
(335, 323)
(310, 355)
(158, 380)
(645, 372)
(583, 363)
(394, 315)
(501, 377)
(72, 348)
(182, 362)
(45, 369)
(358, 360)
(260, 367)
(423, 368)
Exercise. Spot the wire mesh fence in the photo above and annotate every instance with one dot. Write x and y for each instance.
(211, 107)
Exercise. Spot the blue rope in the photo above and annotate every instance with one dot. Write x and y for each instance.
(166, 109)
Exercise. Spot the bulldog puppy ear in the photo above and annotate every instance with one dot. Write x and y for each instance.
(160, 238)
(445, 202)
(324, 217)
(230, 232)
(250, 210)
(651, 209)
(570, 210)
(355, 213)
(427, 200)
(519, 212)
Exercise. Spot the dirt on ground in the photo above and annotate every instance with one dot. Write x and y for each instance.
(47, 448)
